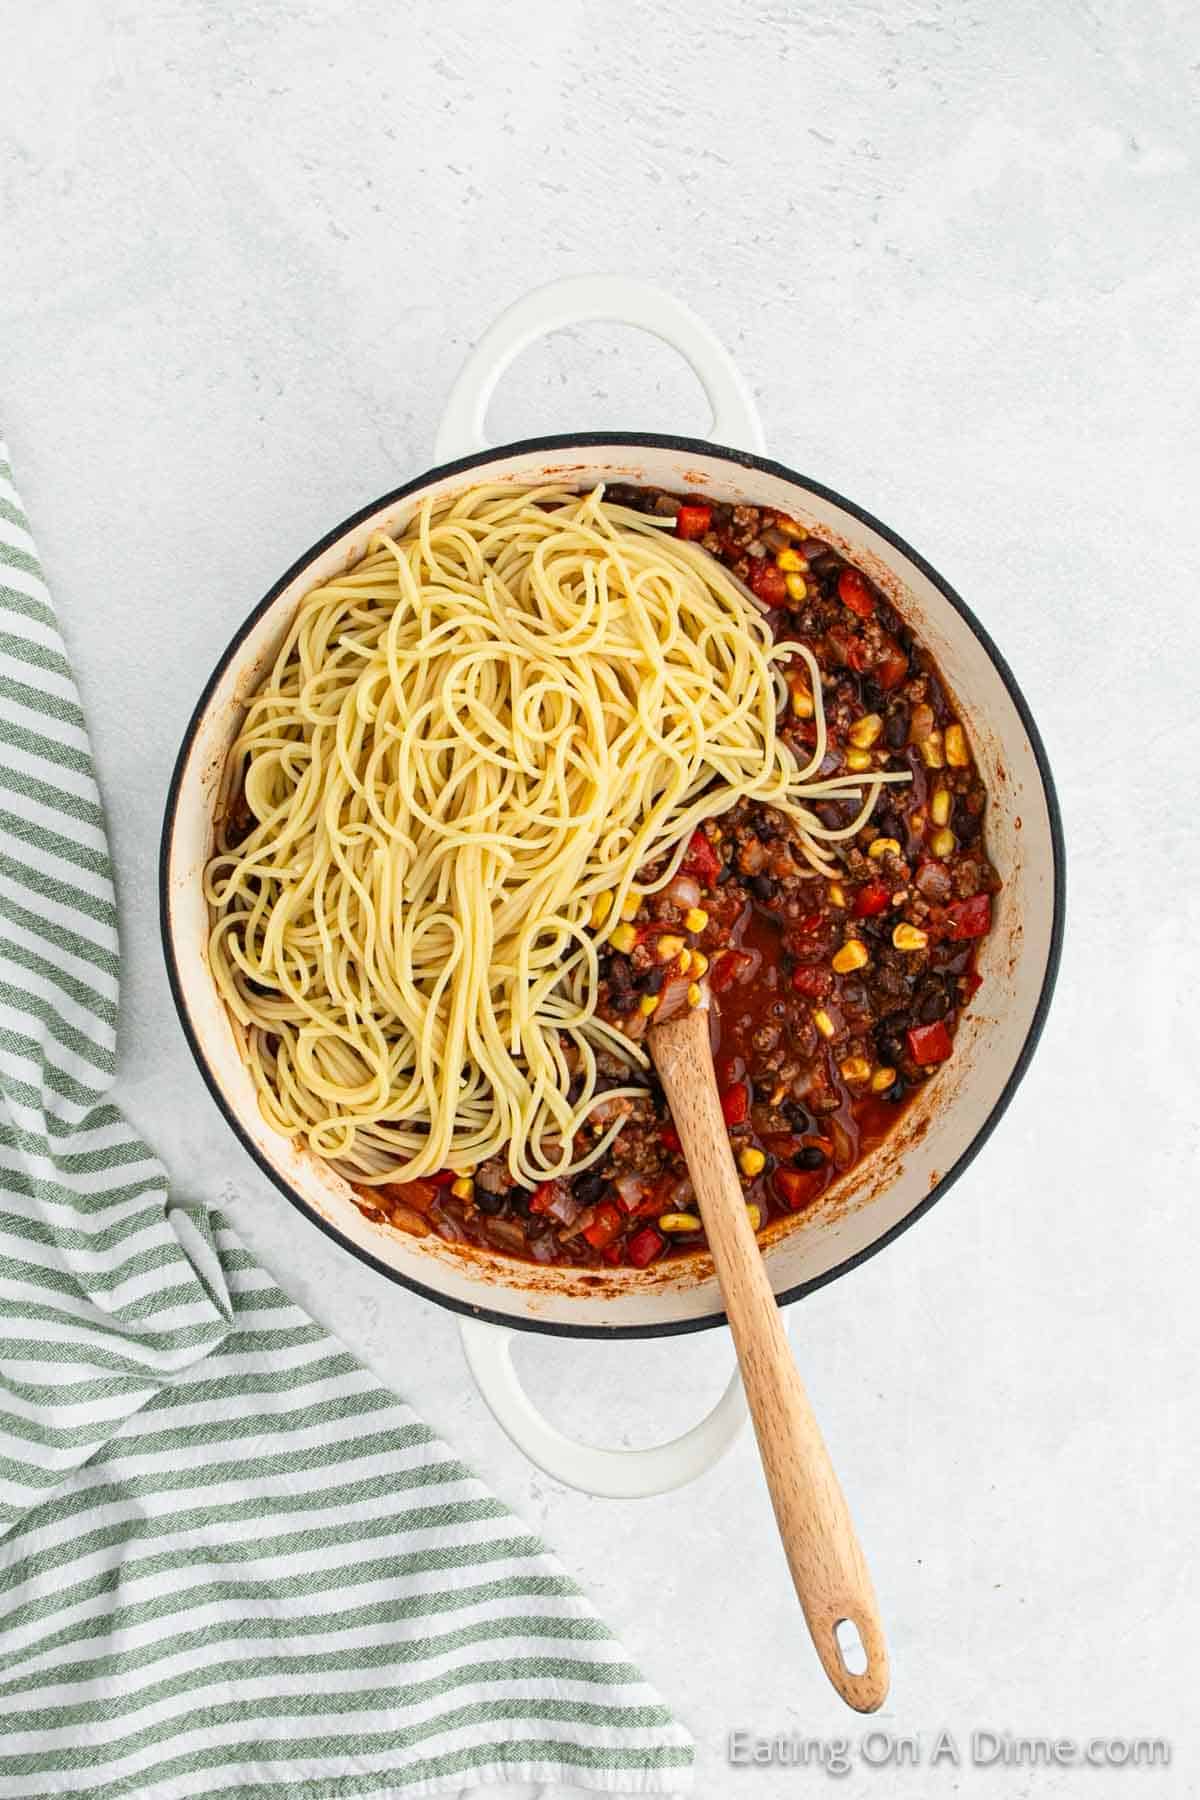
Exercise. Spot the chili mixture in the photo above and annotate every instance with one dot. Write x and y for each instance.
(835, 999)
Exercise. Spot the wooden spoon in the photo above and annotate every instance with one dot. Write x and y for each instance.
(827, 1565)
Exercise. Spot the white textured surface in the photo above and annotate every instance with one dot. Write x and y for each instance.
(954, 249)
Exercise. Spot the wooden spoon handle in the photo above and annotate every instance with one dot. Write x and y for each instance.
(823, 1553)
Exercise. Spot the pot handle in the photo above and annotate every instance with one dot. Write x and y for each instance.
(608, 1474)
(577, 300)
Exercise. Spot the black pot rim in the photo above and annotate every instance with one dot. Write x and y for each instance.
(746, 460)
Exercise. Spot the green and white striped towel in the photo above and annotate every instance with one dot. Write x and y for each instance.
(231, 1563)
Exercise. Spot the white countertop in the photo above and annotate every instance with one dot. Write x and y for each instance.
(953, 249)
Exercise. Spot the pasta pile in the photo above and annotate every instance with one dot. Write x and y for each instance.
(465, 739)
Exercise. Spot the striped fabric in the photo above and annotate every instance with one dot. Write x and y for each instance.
(231, 1563)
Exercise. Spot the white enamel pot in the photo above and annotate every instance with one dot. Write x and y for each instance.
(942, 1129)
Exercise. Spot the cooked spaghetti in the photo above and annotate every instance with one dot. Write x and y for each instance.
(527, 701)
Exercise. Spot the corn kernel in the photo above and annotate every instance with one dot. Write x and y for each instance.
(685, 962)
(601, 907)
(647, 1004)
(630, 905)
(865, 732)
(856, 1069)
(884, 847)
(882, 1080)
(824, 1023)
(802, 700)
(957, 754)
(789, 526)
(695, 994)
(791, 562)
(939, 806)
(796, 586)
(858, 761)
(699, 964)
(852, 955)
(907, 937)
(752, 1162)
(464, 1187)
(624, 938)
(837, 894)
(678, 1222)
(931, 751)
(695, 919)
(754, 1214)
(943, 844)
(668, 946)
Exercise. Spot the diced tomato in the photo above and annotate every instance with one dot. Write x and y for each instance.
(796, 1187)
(544, 1195)
(727, 969)
(970, 918)
(693, 521)
(644, 1246)
(810, 923)
(974, 981)
(701, 860)
(443, 1178)
(768, 581)
(420, 1195)
(669, 1137)
(614, 1254)
(848, 649)
(735, 1103)
(871, 900)
(891, 671)
(929, 1043)
(854, 593)
(812, 980)
(605, 1226)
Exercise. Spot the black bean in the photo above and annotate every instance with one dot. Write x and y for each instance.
(896, 1092)
(966, 824)
(518, 1201)
(808, 1157)
(653, 979)
(574, 1089)
(798, 1117)
(872, 695)
(487, 1202)
(588, 1188)
(932, 1000)
(895, 726)
(764, 827)
(889, 1036)
(762, 887)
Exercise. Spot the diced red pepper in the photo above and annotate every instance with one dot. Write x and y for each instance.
(693, 521)
(614, 1254)
(768, 581)
(644, 1246)
(796, 1187)
(605, 1226)
(871, 900)
(443, 1178)
(727, 969)
(735, 1104)
(701, 860)
(669, 1137)
(929, 1043)
(854, 593)
(812, 980)
(544, 1195)
(970, 918)
(891, 671)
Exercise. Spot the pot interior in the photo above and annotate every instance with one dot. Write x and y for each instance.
(938, 1129)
